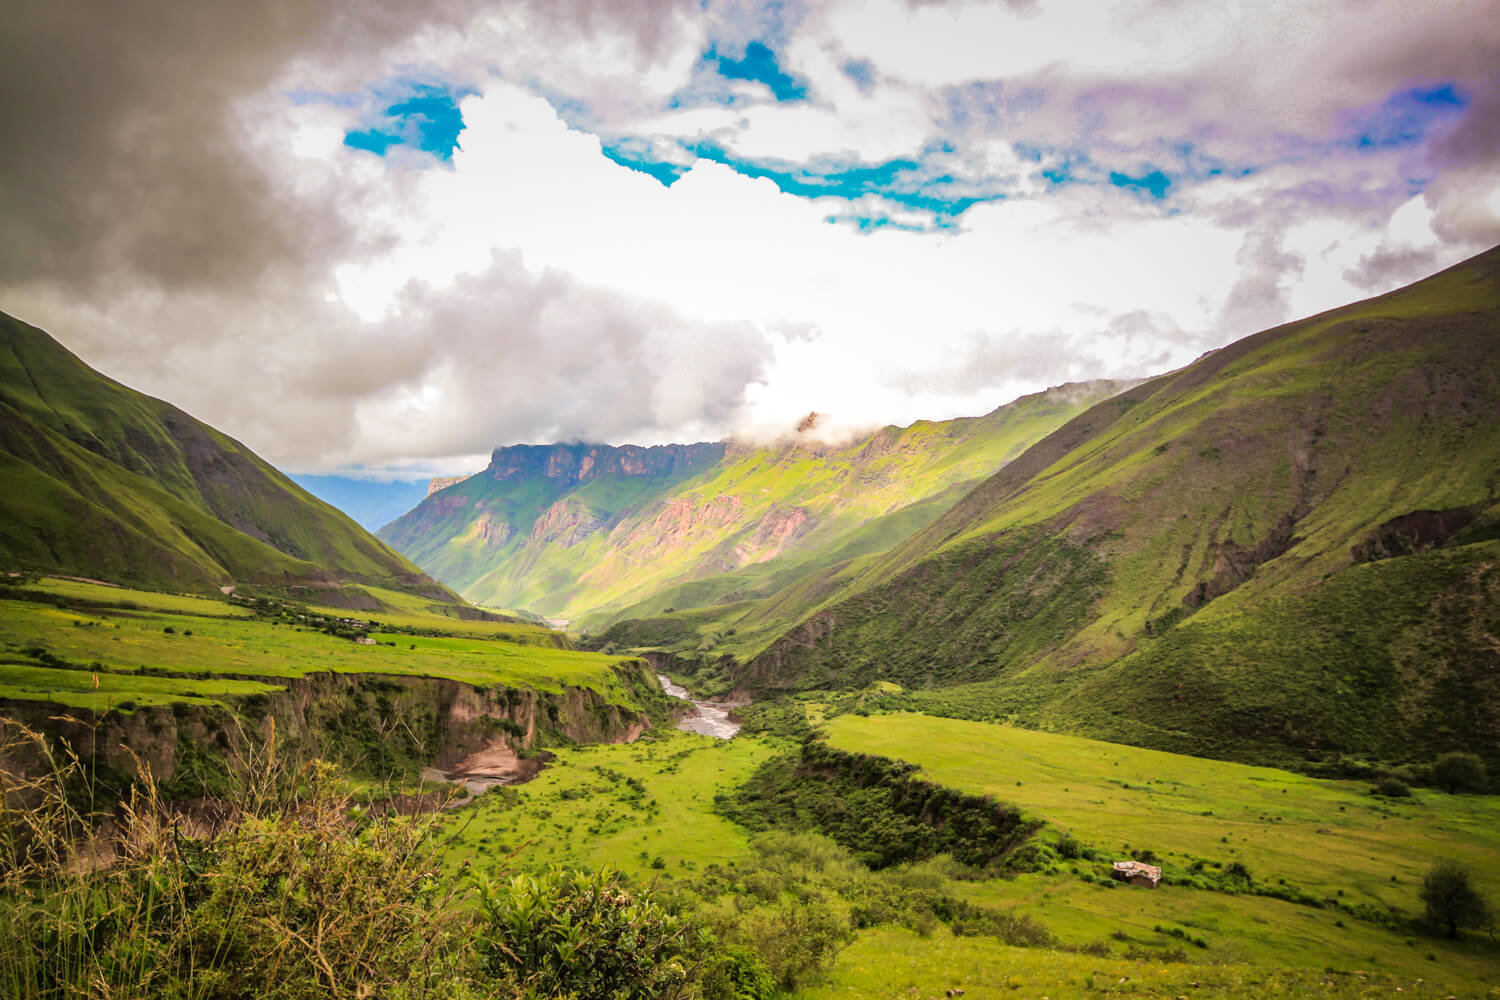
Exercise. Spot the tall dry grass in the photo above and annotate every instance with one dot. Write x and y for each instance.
(287, 890)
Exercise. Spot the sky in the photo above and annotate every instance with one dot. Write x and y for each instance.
(381, 238)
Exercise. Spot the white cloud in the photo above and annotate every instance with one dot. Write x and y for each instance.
(533, 289)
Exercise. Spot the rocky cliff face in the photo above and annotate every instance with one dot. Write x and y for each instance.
(573, 464)
(371, 722)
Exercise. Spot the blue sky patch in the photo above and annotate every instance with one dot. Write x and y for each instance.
(862, 72)
(1154, 183)
(630, 154)
(426, 117)
(903, 182)
(759, 64)
(1404, 118)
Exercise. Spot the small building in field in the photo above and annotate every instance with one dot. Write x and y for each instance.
(1137, 873)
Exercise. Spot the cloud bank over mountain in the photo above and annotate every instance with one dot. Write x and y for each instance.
(391, 236)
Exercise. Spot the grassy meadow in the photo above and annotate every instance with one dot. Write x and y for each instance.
(583, 809)
(648, 808)
(151, 648)
(1329, 860)
(1332, 838)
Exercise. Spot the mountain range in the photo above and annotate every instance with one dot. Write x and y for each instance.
(594, 533)
(1289, 548)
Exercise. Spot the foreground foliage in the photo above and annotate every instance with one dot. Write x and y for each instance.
(287, 892)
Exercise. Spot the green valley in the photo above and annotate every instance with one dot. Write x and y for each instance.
(1236, 623)
(1283, 552)
(592, 534)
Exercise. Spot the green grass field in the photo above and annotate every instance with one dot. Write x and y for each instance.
(1325, 836)
(78, 688)
(581, 810)
(1331, 838)
(199, 643)
(897, 964)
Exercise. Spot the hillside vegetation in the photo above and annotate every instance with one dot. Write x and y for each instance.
(592, 533)
(103, 481)
(1288, 548)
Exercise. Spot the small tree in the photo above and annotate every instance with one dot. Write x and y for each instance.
(1460, 772)
(1452, 899)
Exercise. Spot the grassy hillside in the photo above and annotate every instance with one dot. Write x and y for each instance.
(743, 527)
(1289, 546)
(152, 648)
(1330, 865)
(105, 481)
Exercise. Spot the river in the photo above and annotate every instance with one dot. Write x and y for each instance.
(710, 719)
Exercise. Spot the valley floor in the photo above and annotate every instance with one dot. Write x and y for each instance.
(1330, 871)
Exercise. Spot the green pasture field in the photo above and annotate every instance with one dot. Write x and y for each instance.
(104, 593)
(892, 963)
(132, 643)
(581, 811)
(1332, 838)
(411, 611)
(122, 692)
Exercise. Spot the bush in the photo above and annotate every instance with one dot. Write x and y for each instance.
(798, 940)
(1460, 772)
(1393, 788)
(296, 895)
(1451, 898)
(583, 934)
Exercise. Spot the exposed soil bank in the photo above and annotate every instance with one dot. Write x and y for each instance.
(376, 723)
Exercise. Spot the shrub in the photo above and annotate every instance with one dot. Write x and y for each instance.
(798, 940)
(295, 895)
(1393, 788)
(1451, 898)
(1460, 772)
(583, 934)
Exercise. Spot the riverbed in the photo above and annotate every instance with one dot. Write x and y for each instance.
(710, 718)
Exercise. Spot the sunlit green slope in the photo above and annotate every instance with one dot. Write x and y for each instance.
(742, 523)
(1290, 543)
(101, 480)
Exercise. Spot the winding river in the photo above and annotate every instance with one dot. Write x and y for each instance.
(710, 719)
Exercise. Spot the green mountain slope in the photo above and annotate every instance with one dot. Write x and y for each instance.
(105, 481)
(649, 529)
(1293, 543)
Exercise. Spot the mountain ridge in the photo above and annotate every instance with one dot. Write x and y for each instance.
(1222, 555)
(107, 481)
(566, 531)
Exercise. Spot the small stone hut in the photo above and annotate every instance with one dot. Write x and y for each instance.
(1137, 873)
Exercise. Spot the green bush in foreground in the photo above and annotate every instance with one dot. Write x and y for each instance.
(296, 893)
(567, 932)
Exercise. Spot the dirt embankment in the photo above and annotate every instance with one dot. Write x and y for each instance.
(378, 723)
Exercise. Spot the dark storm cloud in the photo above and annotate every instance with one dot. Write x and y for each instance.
(122, 150)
